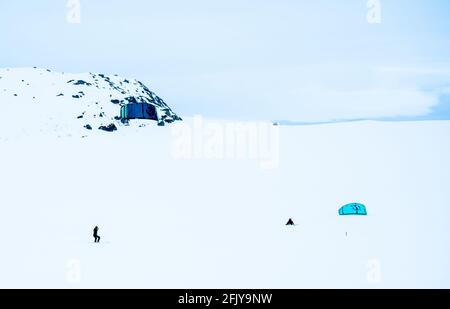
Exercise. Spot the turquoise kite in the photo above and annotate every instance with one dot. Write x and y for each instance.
(353, 209)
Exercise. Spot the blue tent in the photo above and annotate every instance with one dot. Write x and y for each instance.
(138, 111)
(353, 209)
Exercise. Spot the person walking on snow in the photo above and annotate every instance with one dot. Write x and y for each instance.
(96, 237)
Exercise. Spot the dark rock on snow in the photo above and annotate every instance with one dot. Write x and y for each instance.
(82, 82)
(109, 128)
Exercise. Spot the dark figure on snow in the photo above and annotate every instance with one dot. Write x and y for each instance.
(290, 222)
(96, 237)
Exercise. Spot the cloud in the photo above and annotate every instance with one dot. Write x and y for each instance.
(318, 93)
(328, 105)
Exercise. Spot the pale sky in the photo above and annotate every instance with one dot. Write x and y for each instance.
(306, 61)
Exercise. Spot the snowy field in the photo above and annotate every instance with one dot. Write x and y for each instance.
(170, 222)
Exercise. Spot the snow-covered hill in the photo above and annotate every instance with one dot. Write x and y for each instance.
(39, 101)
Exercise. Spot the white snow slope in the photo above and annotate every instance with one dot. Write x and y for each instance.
(219, 223)
(44, 102)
